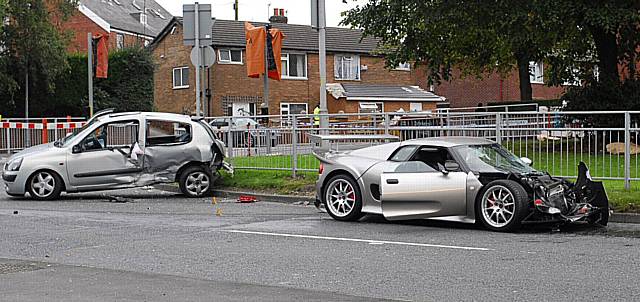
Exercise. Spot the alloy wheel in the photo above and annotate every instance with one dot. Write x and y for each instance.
(341, 197)
(498, 206)
(43, 184)
(197, 183)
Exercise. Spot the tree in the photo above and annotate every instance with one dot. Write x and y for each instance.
(602, 33)
(31, 46)
(475, 36)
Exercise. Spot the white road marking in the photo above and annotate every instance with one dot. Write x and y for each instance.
(375, 242)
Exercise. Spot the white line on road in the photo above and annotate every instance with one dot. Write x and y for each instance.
(361, 240)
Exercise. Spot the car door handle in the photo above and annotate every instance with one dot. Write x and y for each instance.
(392, 181)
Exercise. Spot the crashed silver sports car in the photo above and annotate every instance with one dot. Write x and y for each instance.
(120, 150)
(453, 178)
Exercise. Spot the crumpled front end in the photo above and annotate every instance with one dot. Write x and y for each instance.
(556, 199)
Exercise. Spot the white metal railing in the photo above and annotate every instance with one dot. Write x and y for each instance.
(608, 142)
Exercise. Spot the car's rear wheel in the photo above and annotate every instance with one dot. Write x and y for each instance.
(195, 181)
(502, 205)
(44, 185)
(342, 198)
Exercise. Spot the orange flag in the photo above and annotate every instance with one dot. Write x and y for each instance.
(256, 41)
(100, 56)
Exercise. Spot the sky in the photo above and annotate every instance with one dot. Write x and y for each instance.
(298, 11)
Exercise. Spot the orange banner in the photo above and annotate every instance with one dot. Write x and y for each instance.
(256, 41)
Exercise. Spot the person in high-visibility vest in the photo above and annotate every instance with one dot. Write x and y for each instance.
(316, 116)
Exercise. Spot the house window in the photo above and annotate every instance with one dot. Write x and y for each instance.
(143, 18)
(180, 77)
(294, 66)
(371, 107)
(293, 108)
(230, 56)
(415, 107)
(404, 66)
(119, 41)
(347, 67)
(536, 72)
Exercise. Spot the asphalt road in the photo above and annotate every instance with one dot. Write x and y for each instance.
(158, 246)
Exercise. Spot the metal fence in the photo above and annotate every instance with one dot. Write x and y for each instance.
(16, 135)
(556, 141)
(608, 142)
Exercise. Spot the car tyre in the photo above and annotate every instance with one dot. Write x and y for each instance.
(502, 205)
(195, 181)
(342, 198)
(44, 185)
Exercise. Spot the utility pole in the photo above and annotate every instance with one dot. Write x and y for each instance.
(199, 63)
(322, 23)
(235, 7)
(90, 71)
(26, 105)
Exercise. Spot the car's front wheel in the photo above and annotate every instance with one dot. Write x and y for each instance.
(195, 181)
(342, 198)
(44, 185)
(502, 205)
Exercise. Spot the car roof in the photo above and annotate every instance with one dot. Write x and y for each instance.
(449, 141)
(154, 115)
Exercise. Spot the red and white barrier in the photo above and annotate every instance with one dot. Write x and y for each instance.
(50, 126)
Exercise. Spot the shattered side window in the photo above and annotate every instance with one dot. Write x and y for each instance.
(167, 133)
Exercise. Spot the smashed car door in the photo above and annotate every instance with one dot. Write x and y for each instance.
(413, 190)
(102, 158)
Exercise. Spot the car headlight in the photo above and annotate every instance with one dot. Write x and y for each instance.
(14, 165)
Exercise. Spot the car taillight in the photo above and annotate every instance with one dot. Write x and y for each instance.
(321, 169)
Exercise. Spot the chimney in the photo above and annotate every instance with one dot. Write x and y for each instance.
(278, 16)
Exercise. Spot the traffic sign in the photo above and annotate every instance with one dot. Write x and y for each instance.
(189, 24)
(207, 56)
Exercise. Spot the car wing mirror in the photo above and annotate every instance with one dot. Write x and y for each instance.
(76, 149)
(450, 166)
(526, 160)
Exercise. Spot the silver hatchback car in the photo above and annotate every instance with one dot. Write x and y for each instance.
(120, 150)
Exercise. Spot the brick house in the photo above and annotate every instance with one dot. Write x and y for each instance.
(492, 88)
(229, 90)
(126, 22)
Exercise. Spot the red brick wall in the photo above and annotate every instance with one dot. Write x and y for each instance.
(231, 80)
(470, 90)
(79, 25)
(168, 54)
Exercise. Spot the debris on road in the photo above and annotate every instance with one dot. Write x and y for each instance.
(15, 212)
(117, 199)
(219, 212)
(247, 199)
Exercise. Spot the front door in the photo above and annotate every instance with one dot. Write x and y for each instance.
(414, 190)
(103, 158)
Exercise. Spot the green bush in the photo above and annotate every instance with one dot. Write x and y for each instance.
(129, 87)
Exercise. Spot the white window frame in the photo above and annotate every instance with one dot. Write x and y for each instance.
(376, 103)
(144, 19)
(230, 61)
(342, 57)
(119, 41)
(173, 76)
(288, 108)
(285, 57)
(415, 104)
(405, 66)
(536, 72)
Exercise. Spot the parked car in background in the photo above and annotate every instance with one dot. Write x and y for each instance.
(454, 178)
(120, 150)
